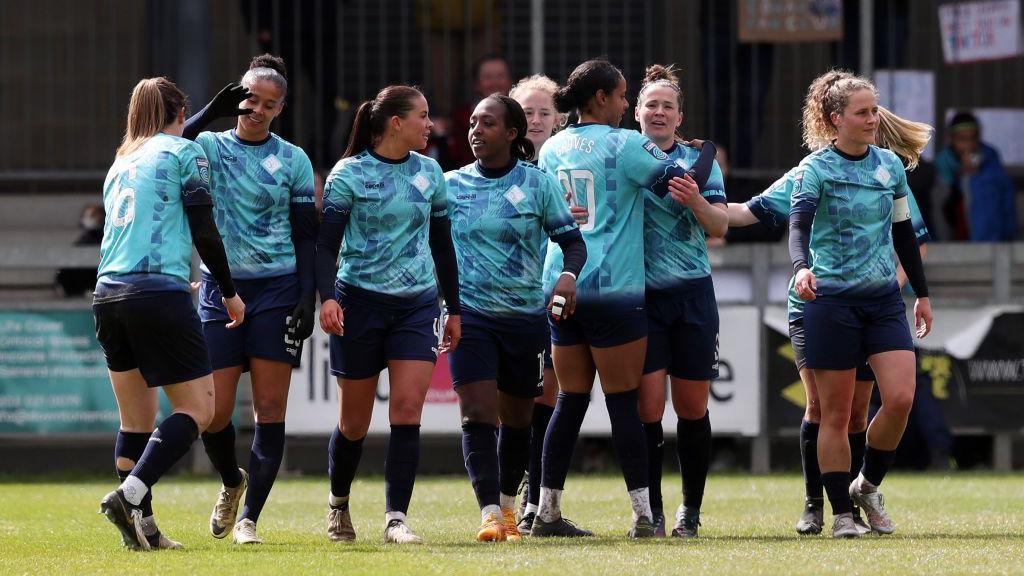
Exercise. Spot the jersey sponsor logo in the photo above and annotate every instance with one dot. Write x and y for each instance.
(422, 183)
(465, 196)
(653, 150)
(271, 164)
(882, 175)
(515, 195)
(204, 169)
(374, 185)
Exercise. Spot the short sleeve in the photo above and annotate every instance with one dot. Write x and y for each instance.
(439, 199)
(302, 189)
(557, 220)
(338, 195)
(194, 175)
(714, 189)
(806, 189)
(644, 164)
(771, 207)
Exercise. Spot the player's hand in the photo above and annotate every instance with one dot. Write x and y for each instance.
(299, 324)
(194, 286)
(685, 190)
(332, 318)
(806, 285)
(694, 143)
(236, 310)
(451, 335)
(580, 214)
(563, 300)
(923, 317)
(225, 103)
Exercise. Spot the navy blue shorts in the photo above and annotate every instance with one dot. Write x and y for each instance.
(159, 334)
(510, 351)
(599, 327)
(682, 332)
(268, 302)
(380, 327)
(840, 336)
(549, 364)
(796, 338)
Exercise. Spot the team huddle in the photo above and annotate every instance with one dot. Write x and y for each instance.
(565, 252)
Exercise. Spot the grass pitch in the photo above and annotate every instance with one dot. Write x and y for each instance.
(962, 524)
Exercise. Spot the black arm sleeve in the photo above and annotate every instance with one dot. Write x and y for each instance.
(304, 235)
(700, 171)
(197, 122)
(207, 240)
(909, 253)
(447, 265)
(328, 244)
(800, 239)
(574, 251)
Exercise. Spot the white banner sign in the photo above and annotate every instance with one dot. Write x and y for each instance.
(911, 95)
(975, 31)
(313, 398)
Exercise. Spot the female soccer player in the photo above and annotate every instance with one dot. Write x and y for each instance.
(157, 196)
(263, 188)
(536, 95)
(907, 139)
(844, 272)
(682, 313)
(386, 209)
(502, 207)
(605, 170)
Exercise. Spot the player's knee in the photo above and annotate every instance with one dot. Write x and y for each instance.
(405, 411)
(858, 419)
(270, 409)
(813, 412)
(836, 419)
(691, 411)
(651, 409)
(219, 421)
(899, 401)
(354, 428)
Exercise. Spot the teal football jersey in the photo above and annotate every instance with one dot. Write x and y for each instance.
(771, 208)
(606, 170)
(674, 247)
(145, 194)
(390, 202)
(500, 220)
(254, 186)
(851, 237)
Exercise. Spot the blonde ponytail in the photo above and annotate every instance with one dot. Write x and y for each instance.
(154, 104)
(904, 137)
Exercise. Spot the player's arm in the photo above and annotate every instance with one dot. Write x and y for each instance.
(740, 215)
(806, 194)
(904, 241)
(304, 224)
(224, 104)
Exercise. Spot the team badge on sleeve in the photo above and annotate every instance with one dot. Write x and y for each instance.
(653, 150)
(204, 169)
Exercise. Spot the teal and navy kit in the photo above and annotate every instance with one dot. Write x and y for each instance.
(682, 312)
(501, 222)
(606, 170)
(858, 310)
(389, 220)
(144, 313)
(265, 209)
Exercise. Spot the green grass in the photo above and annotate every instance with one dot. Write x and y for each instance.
(966, 524)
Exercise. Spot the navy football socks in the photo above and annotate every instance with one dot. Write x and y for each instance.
(513, 457)
(541, 416)
(400, 467)
(220, 447)
(628, 438)
(655, 456)
(876, 464)
(809, 459)
(343, 457)
(480, 451)
(694, 452)
(560, 438)
(168, 443)
(858, 442)
(837, 486)
(131, 445)
(264, 463)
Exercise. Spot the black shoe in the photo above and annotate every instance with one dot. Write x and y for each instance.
(687, 527)
(126, 518)
(642, 528)
(812, 519)
(525, 525)
(561, 528)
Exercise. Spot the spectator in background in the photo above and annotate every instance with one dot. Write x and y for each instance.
(76, 281)
(491, 74)
(982, 204)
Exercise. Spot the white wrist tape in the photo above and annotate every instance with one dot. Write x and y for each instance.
(558, 304)
(567, 273)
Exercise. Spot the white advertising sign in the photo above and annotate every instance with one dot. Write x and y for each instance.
(909, 94)
(976, 31)
(313, 398)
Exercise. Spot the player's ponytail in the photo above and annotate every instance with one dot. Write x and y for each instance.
(828, 94)
(515, 119)
(372, 117)
(270, 68)
(154, 104)
(583, 84)
(904, 137)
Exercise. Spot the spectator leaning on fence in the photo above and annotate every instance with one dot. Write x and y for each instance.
(985, 204)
